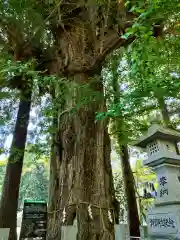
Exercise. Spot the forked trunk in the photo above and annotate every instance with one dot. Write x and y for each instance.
(82, 175)
(129, 183)
(9, 198)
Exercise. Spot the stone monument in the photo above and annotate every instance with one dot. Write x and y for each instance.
(163, 157)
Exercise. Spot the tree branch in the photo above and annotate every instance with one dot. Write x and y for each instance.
(90, 68)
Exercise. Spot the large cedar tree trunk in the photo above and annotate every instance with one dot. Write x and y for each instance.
(9, 198)
(81, 173)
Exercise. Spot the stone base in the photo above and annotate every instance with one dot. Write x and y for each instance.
(164, 222)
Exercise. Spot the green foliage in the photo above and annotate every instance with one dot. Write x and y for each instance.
(2, 173)
(152, 66)
(142, 176)
(146, 71)
(127, 111)
(34, 182)
(34, 179)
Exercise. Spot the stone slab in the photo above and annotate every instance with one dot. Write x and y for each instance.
(4, 233)
(164, 221)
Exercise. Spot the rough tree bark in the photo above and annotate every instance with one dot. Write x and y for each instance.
(10, 193)
(83, 174)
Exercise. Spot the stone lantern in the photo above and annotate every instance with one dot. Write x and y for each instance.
(164, 158)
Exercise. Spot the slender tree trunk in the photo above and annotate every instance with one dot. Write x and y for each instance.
(165, 117)
(129, 184)
(9, 198)
(164, 111)
(82, 173)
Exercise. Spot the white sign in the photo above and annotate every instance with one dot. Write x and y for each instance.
(4, 233)
(162, 224)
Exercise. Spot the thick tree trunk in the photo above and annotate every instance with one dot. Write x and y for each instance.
(129, 183)
(82, 173)
(9, 199)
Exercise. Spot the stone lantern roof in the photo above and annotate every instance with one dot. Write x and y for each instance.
(155, 132)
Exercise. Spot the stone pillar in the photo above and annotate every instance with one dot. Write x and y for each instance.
(164, 218)
(161, 146)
